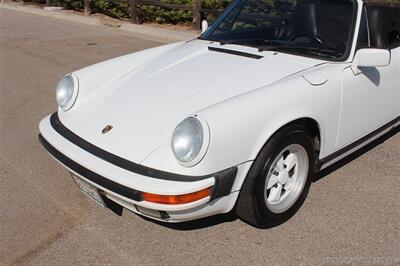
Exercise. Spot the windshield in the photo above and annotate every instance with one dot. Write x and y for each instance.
(319, 28)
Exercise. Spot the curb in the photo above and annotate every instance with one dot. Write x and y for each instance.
(145, 32)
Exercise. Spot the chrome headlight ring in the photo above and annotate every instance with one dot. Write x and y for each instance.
(67, 92)
(190, 141)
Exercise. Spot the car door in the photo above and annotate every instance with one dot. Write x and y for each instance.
(392, 36)
(370, 98)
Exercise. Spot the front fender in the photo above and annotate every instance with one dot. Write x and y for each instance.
(240, 126)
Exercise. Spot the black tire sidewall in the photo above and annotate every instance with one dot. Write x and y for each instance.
(293, 135)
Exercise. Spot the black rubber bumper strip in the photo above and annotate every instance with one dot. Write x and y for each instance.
(116, 160)
(92, 176)
(223, 180)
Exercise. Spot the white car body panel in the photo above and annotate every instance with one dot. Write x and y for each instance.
(117, 174)
(110, 71)
(154, 84)
(370, 100)
(266, 118)
(244, 101)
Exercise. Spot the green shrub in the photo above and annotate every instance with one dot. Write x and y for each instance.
(69, 4)
(120, 9)
(147, 13)
(162, 15)
(116, 9)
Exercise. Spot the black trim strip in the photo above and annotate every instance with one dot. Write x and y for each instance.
(357, 143)
(116, 160)
(223, 183)
(233, 52)
(92, 176)
(223, 180)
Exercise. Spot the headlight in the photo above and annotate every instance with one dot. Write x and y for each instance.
(67, 91)
(190, 141)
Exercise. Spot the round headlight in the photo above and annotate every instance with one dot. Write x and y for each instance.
(188, 141)
(66, 92)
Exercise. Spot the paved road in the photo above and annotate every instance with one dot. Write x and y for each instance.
(351, 215)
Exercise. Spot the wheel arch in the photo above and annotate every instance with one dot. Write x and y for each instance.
(252, 189)
(311, 124)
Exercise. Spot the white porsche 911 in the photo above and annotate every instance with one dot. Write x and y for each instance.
(239, 118)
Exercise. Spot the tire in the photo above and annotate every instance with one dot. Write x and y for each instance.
(261, 207)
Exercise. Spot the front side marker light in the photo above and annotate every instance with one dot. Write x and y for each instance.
(177, 199)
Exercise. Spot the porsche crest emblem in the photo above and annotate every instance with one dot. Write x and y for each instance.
(107, 129)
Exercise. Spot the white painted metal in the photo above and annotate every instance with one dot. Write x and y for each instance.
(344, 155)
(368, 101)
(370, 57)
(244, 101)
(118, 174)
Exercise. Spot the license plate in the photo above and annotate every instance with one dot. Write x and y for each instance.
(89, 190)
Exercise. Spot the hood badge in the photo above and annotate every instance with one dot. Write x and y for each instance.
(107, 129)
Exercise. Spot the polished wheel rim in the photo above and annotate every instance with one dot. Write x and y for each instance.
(286, 178)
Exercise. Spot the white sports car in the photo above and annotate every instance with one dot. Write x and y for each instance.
(240, 118)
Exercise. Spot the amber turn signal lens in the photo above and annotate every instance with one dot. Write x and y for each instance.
(177, 199)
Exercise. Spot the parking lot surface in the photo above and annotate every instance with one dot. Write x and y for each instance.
(351, 215)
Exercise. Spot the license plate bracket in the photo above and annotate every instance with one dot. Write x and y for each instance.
(89, 190)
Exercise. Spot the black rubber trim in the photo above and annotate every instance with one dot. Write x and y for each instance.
(90, 175)
(112, 205)
(233, 52)
(357, 143)
(164, 215)
(116, 160)
(223, 183)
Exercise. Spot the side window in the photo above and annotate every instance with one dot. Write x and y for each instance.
(363, 34)
(391, 27)
(379, 28)
(375, 19)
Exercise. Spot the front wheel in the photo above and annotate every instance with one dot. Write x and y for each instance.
(279, 180)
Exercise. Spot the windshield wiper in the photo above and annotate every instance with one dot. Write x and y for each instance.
(225, 42)
(248, 42)
(279, 46)
(310, 50)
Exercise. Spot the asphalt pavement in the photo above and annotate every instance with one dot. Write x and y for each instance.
(352, 214)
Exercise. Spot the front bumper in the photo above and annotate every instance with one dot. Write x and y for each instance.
(123, 182)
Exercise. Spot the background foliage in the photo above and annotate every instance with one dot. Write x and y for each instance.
(162, 15)
(120, 9)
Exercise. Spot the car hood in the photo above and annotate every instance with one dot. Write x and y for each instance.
(145, 105)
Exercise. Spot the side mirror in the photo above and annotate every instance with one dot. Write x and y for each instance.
(370, 57)
(204, 26)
